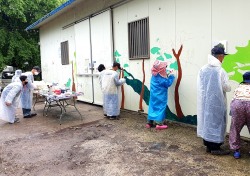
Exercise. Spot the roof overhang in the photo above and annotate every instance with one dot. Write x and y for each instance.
(53, 14)
(64, 8)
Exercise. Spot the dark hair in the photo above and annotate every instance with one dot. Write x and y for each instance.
(101, 67)
(117, 64)
(37, 68)
(23, 78)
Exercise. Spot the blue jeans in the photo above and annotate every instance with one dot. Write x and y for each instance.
(26, 111)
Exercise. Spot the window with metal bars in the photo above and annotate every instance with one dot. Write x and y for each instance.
(65, 53)
(138, 39)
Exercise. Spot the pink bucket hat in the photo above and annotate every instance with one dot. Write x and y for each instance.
(159, 67)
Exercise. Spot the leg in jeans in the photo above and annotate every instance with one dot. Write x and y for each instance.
(26, 112)
(237, 123)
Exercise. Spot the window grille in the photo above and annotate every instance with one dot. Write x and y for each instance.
(138, 39)
(65, 53)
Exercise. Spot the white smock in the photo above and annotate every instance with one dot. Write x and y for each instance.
(212, 85)
(16, 77)
(110, 82)
(10, 94)
(27, 94)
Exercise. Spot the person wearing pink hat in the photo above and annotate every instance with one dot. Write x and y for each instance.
(159, 85)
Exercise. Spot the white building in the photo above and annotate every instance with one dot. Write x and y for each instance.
(136, 33)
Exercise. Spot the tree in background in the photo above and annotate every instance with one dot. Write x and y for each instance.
(18, 46)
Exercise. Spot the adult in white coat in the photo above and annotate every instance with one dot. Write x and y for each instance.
(9, 100)
(109, 81)
(211, 102)
(27, 95)
(15, 78)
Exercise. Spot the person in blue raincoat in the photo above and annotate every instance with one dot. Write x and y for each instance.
(9, 100)
(27, 95)
(159, 85)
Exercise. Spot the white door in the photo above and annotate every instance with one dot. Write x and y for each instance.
(83, 59)
(101, 42)
(93, 47)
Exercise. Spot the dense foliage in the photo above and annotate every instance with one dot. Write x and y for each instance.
(18, 46)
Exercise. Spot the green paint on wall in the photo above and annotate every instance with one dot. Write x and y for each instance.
(117, 54)
(189, 119)
(125, 65)
(155, 50)
(168, 56)
(68, 84)
(137, 85)
(237, 64)
(160, 58)
(174, 65)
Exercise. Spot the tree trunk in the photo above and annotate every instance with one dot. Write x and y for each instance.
(142, 88)
(176, 93)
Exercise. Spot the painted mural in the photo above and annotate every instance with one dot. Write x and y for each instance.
(234, 64)
(142, 90)
(237, 64)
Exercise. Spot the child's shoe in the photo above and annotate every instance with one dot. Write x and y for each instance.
(148, 125)
(236, 154)
(161, 127)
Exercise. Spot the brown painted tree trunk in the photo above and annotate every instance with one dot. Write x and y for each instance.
(176, 93)
(142, 88)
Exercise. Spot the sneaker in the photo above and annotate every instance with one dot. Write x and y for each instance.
(33, 114)
(220, 152)
(112, 118)
(161, 127)
(16, 120)
(148, 125)
(236, 154)
(27, 116)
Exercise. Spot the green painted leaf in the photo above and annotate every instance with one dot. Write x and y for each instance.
(168, 56)
(160, 58)
(174, 65)
(125, 65)
(155, 50)
(117, 54)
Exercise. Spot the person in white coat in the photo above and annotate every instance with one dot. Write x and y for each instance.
(9, 100)
(27, 95)
(15, 78)
(110, 82)
(212, 85)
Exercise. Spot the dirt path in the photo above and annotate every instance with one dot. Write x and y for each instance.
(119, 147)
